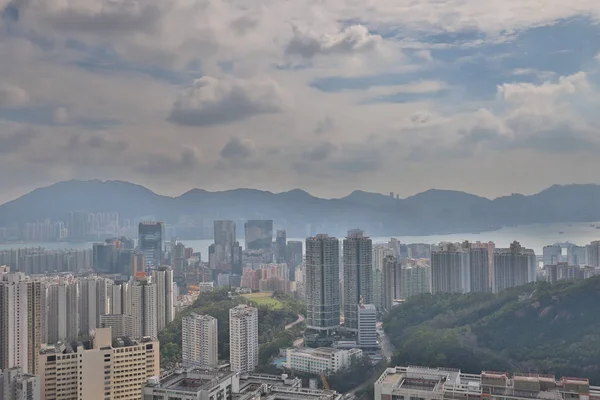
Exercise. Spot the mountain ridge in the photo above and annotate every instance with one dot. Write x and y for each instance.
(429, 212)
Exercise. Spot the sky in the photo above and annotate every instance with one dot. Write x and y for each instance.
(491, 97)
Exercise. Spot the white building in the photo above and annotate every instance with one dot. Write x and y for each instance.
(450, 269)
(324, 360)
(13, 321)
(243, 338)
(15, 385)
(94, 293)
(367, 326)
(144, 309)
(165, 309)
(62, 319)
(199, 341)
(322, 283)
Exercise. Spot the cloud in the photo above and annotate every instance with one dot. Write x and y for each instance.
(60, 115)
(210, 101)
(325, 125)
(160, 164)
(237, 149)
(16, 141)
(352, 39)
(12, 96)
(522, 92)
(320, 152)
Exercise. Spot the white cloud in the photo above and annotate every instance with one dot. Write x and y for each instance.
(211, 101)
(60, 115)
(12, 96)
(355, 38)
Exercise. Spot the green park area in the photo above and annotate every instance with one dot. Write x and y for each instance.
(264, 299)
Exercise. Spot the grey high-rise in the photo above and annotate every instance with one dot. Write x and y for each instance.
(322, 283)
(358, 275)
(259, 234)
(280, 246)
(224, 234)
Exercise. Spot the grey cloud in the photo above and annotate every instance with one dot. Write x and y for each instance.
(355, 38)
(160, 164)
(237, 149)
(325, 126)
(17, 140)
(95, 142)
(244, 24)
(320, 152)
(12, 96)
(210, 101)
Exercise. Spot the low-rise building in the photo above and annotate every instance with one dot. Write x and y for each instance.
(445, 383)
(15, 385)
(323, 360)
(192, 384)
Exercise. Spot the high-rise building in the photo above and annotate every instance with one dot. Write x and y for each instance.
(165, 307)
(102, 368)
(94, 295)
(513, 267)
(243, 338)
(367, 326)
(103, 257)
(552, 254)
(576, 255)
(391, 282)
(259, 234)
(78, 225)
(358, 276)
(224, 236)
(322, 283)
(151, 242)
(380, 252)
(293, 256)
(144, 309)
(16, 385)
(36, 314)
(415, 278)
(199, 341)
(450, 269)
(490, 247)
(62, 319)
(479, 269)
(13, 321)
(178, 259)
(280, 246)
(592, 253)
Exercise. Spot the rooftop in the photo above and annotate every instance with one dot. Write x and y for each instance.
(191, 380)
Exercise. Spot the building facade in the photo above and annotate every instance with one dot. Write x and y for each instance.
(199, 341)
(323, 360)
(358, 276)
(150, 234)
(243, 338)
(367, 326)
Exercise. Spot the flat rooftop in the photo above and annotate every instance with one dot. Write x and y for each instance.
(194, 380)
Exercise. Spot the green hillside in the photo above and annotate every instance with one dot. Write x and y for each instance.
(536, 328)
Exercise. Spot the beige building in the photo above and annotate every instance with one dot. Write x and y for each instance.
(102, 369)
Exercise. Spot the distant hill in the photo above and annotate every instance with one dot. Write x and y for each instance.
(536, 328)
(430, 212)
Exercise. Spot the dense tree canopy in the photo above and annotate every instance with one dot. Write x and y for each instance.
(536, 328)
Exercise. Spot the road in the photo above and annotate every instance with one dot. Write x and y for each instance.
(296, 322)
(387, 348)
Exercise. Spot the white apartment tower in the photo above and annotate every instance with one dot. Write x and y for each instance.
(162, 277)
(62, 319)
(243, 338)
(367, 326)
(199, 341)
(450, 269)
(322, 283)
(13, 321)
(144, 309)
(94, 295)
(358, 275)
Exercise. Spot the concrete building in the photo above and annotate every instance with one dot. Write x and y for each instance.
(243, 338)
(94, 295)
(322, 283)
(450, 269)
(62, 319)
(16, 385)
(144, 309)
(162, 278)
(367, 326)
(259, 234)
(293, 256)
(479, 269)
(192, 384)
(280, 246)
(120, 324)
(99, 369)
(13, 320)
(391, 282)
(224, 236)
(415, 278)
(323, 360)
(380, 252)
(576, 255)
(514, 266)
(446, 383)
(552, 255)
(592, 253)
(358, 276)
(199, 341)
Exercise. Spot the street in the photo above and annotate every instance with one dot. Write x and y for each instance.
(387, 349)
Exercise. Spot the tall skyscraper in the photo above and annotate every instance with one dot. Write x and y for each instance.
(36, 314)
(151, 242)
(258, 234)
(178, 259)
(224, 235)
(553, 254)
(13, 321)
(94, 294)
(280, 246)
(592, 253)
(358, 276)
(243, 338)
(199, 341)
(165, 307)
(322, 283)
(62, 319)
(450, 269)
(513, 267)
(576, 255)
(78, 225)
(479, 269)
(380, 252)
(391, 282)
(144, 309)
(415, 278)
(293, 256)
(367, 325)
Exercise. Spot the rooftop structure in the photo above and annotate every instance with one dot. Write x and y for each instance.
(189, 384)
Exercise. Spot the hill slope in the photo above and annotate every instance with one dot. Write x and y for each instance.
(430, 212)
(537, 328)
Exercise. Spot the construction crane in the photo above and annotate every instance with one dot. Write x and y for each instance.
(324, 382)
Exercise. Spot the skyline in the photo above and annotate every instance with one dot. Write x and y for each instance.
(326, 96)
